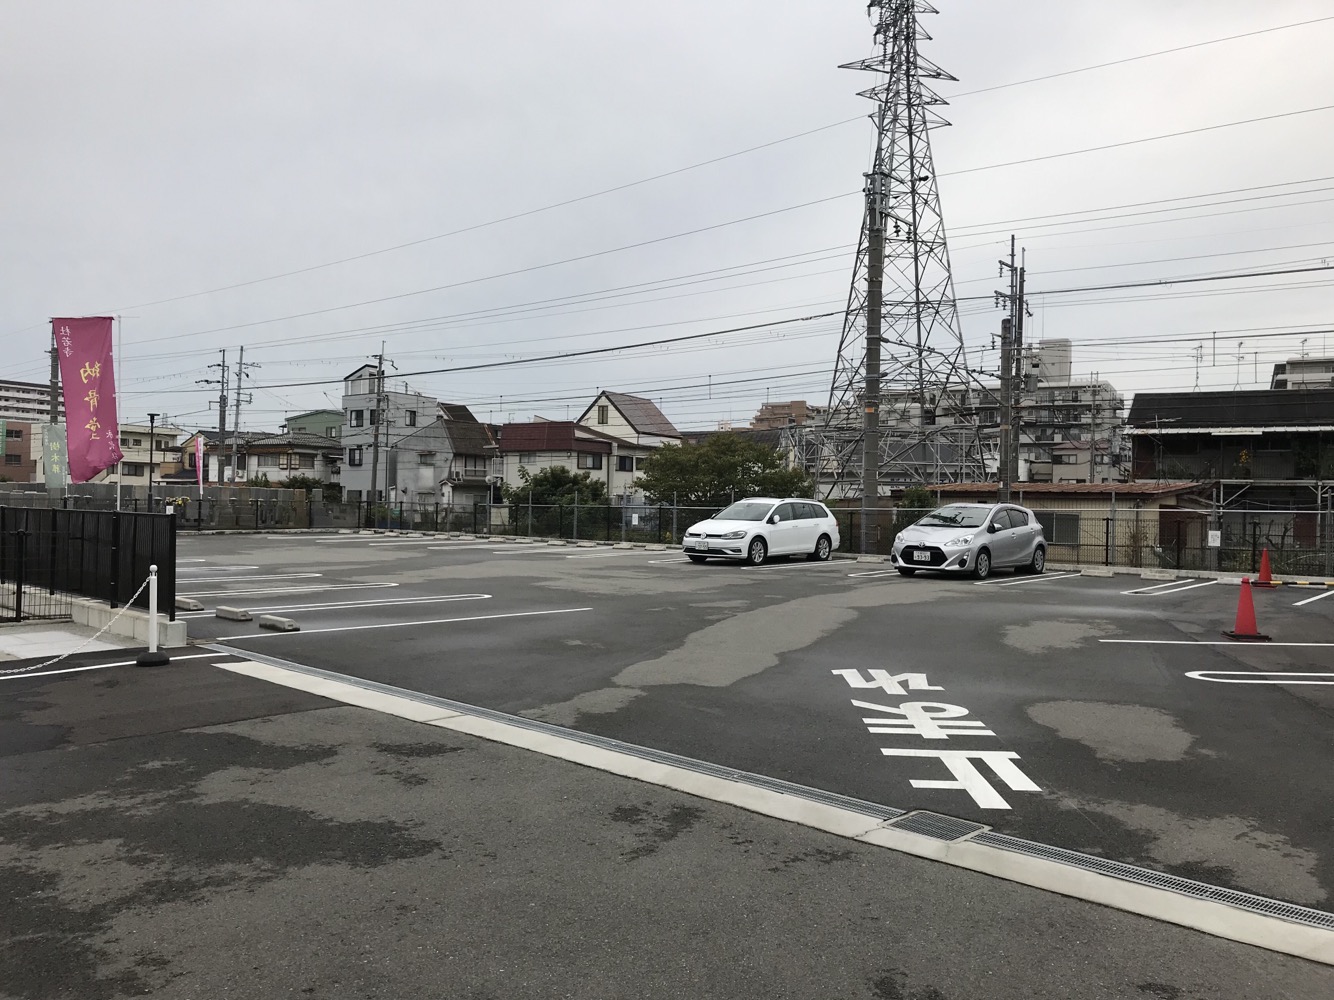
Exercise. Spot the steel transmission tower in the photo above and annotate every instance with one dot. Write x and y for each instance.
(902, 396)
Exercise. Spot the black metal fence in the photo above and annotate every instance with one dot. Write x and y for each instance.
(49, 555)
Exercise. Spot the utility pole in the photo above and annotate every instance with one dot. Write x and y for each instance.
(875, 273)
(377, 416)
(53, 411)
(241, 373)
(222, 382)
(1018, 381)
(1006, 409)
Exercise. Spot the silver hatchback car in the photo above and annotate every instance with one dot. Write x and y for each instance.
(972, 538)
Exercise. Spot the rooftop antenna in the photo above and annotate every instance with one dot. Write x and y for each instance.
(1240, 358)
(1199, 356)
(1302, 352)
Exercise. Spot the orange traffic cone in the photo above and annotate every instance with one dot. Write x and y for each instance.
(1266, 578)
(1245, 630)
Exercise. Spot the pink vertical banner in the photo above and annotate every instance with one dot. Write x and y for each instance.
(199, 460)
(92, 430)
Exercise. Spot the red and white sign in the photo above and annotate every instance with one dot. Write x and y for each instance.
(92, 429)
(199, 460)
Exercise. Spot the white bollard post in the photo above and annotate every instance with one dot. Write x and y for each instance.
(153, 658)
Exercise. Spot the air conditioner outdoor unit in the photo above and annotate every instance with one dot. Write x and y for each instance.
(456, 476)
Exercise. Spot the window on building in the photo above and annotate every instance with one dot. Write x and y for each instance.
(353, 496)
(474, 463)
(266, 461)
(1065, 459)
(527, 458)
(410, 418)
(305, 461)
(375, 417)
(587, 461)
(354, 456)
(604, 412)
(356, 418)
(137, 442)
(13, 435)
(331, 432)
(426, 458)
(1057, 528)
(13, 459)
(126, 468)
(625, 463)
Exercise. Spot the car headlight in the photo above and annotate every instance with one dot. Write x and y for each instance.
(961, 540)
(735, 534)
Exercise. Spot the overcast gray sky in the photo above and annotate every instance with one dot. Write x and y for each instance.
(167, 162)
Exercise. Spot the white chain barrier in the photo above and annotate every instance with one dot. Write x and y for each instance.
(86, 643)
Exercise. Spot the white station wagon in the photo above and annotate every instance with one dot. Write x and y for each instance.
(759, 527)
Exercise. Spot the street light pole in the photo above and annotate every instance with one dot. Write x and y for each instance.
(152, 424)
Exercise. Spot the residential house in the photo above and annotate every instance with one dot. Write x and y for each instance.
(634, 427)
(326, 423)
(776, 416)
(296, 453)
(145, 455)
(218, 448)
(415, 465)
(375, 414)
(20, 445)
(473, 463)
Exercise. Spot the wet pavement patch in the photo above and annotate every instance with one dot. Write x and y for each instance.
(1122, 733)
(654, 830)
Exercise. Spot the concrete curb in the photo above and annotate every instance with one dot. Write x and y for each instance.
(231, 614)
(278, 624)
(188, 604)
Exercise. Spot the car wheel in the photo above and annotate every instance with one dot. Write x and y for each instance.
(982, 565)
(1039, 560)
(757, 552)
(822, 549)
(906, 571)
(694, 558)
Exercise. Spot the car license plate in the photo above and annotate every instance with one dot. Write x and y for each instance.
(702, 544)
(921, 556)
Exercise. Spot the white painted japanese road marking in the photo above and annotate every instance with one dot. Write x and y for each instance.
(1258, 677)
(285, 590)
(222, 578)
(1318, 597)
(433, 621)
(1039, 578)
(968, 778)
(875, 572)
(604, 555)
(98, 666)
(350, 605)
(214, 571)
(1161, 589)
(662, 562)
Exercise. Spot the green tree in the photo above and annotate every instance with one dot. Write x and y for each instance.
(718, 469)
(312, 486)
(555, 486)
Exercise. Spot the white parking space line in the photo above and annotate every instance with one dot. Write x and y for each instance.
(1170, 587)
(1212, 642)
(815, 566)
(1310, 600)
(875, 572)
(212, 571)
(285, 590)
(665, 562)
(433, 621)
(191, 560)
(223, 578)
(350, 605)
(1259, 677)
(1158, 591)
(604, 555)
(1040, 578)
(99, 666)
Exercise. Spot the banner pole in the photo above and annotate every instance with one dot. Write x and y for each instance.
(119, 374)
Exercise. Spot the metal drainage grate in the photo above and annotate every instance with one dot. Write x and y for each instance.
(936, 826)
(1161, 880)
(947, 828)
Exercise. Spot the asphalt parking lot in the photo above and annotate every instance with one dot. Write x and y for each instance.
(1107, 716)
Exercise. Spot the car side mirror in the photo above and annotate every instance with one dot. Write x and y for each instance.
(775, 519)
(993, 527)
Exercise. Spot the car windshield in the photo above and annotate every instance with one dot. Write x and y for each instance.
(744, 511)
(956, 516)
